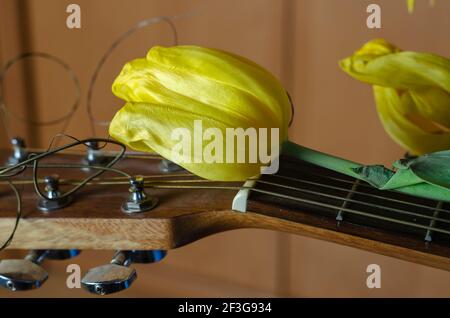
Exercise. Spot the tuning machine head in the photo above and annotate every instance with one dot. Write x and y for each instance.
(21, 274)
(26, 274)
(56, 201)
(94, 156)
(110, 278)
(19, 151)
(138, 200)
(117, 275)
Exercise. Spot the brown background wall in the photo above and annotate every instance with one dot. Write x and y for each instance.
(299, 41)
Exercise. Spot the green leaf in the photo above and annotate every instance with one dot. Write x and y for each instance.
(433, 168)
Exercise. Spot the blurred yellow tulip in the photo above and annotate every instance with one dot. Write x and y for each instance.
(175, 87)
(412, 93)
(412, 2)
(410, 5)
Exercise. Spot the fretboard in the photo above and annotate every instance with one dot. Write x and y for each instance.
(308, 194)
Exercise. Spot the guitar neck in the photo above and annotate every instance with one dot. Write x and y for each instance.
(301, 198)
(334, 207)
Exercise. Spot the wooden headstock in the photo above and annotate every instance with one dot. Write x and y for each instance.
(94, 219)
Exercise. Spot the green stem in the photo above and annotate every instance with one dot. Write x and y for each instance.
(321, 159)
(424, 189)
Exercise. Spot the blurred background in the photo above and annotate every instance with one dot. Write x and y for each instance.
(300, 41)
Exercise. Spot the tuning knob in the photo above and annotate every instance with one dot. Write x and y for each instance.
(117, 275)
(110, 278)
(19, 151)
(55, 200)
(26, 274)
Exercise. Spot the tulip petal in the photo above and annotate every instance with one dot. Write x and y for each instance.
(410, 6)
(174, 87)
(412, 93)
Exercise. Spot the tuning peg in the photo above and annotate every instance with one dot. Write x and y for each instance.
(52, 192)
(117, 275)
(26, 274)
(19, 151)
(94, 155)
(168, 166)
(138, 200)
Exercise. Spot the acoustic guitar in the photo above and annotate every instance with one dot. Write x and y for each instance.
(160, 208)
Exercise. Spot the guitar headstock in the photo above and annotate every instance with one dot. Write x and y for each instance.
(178, 207)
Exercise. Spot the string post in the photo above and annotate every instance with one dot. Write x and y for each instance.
(53, 200)
(138, 200)
(94, 156)
(19, 151)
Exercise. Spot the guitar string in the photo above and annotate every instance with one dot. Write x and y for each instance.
(365, 185)
(339, 208)
(106, 182)
(312, 202)
(36, 158)
(6, 114)
(277, 176)
(108, 153)
(141, 24)
(169, 20)
(18, 216)
(333, 207)
(13, 170)
(417, 205)
(390, 209)
(400, 211)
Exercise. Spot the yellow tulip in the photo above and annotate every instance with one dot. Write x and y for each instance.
(410, 5)
(412, 93)
(172, 87)
(412, 2)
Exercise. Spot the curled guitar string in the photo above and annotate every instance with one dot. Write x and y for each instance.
(101, 169)
(169, 20)
(106, 153)
(18, 216)
(110, 50)
(10, 171)
(65, 119)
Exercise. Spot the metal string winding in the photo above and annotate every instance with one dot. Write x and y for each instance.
(9, 172)
(5, 112)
